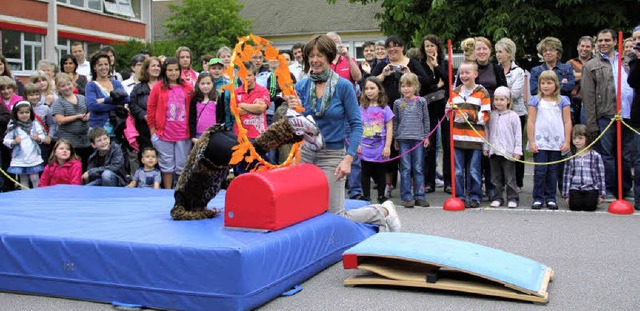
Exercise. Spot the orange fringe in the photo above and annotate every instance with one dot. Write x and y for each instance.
(245, 48)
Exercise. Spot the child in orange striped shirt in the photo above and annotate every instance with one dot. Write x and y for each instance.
(473, 104)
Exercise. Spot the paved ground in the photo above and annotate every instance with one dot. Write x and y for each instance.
(594, 255)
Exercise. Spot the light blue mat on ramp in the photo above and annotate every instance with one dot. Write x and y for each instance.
(494, 264)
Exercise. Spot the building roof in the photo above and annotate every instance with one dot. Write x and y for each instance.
(291, 17)
(299, 17)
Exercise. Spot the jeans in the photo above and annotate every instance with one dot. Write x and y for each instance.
(355, 178)
(545, 177)
(608, 151)
(412, 162)
(107, 179)
(467, 163)
(436, 112)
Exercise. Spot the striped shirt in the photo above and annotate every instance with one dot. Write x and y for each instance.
(584, 172)
(411, 118)
(475, 107)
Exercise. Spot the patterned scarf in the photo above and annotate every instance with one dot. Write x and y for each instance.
(25, 126)
(326, 76)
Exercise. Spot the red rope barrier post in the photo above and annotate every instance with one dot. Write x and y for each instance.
(452, 203)
(619, 206)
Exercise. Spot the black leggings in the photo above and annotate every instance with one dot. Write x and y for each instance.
(376, 171)
(583, 200)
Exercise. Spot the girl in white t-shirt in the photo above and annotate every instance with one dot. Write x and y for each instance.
(549, 133)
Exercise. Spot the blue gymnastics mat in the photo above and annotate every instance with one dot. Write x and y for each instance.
(120, 245)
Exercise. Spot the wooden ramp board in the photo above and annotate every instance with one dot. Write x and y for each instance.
(415, 260)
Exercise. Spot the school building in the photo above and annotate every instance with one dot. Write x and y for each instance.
(31, 30)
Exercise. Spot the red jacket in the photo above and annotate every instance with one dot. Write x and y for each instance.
(69, 173)
(157, 107)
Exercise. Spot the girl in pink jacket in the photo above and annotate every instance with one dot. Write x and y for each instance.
(64, 167)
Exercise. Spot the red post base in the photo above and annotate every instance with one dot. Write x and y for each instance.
(620, 207)
(453, 204)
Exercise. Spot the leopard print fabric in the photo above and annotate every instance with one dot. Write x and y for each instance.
(200, 181)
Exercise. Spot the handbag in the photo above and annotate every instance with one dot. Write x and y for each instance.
(435, 96)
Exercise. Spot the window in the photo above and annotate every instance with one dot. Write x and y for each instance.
(119, 7)
(22, 50)
(95, 4)
(92, 47)
(64, 46)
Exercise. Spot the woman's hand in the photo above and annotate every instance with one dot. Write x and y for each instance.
(344, 168)
(426, 143)
(533, 148)
(292, 100)
(432, 60)
(386, 152)
(564, 148)
(366, 67)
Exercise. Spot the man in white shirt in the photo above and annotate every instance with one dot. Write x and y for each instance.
(77, 49)
(136, 63)
(296, 68)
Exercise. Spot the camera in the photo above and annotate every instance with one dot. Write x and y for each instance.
(397, 68)
(637, 46)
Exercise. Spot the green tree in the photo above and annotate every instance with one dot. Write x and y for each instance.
(524, 21)
(127, 50)
(205, 25)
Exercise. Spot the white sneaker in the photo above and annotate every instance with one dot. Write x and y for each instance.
(387, 191)
(392, 219)
(512, 204)
(439, 183)
(307, 128)
(496, 203)
(301, 124)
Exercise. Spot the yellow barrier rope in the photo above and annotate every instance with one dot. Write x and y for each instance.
(617, 117)
(629, 126)
(13, 180)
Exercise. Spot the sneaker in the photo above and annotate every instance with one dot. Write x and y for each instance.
(474, 204)
(439, 183)
(495, 203)
(422, 203)
(536, 205)
(301, 124)
(307, 128)
(392, 219)
(609, 198)
(407, 204)
(512, 204)
(552, 205)
(387, 191)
